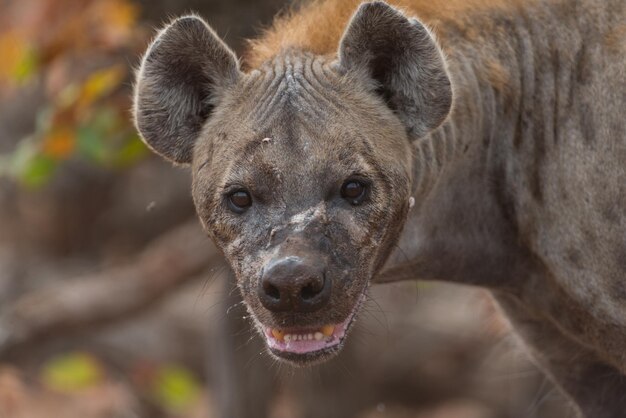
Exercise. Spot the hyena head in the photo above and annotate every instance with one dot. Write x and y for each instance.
(302, 168)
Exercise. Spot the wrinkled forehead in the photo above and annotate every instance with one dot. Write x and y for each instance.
(294, 84)
(297, 124)
(296, 119)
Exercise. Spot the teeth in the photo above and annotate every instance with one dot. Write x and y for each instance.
(279, 335)
(325, 331)
(328, 330)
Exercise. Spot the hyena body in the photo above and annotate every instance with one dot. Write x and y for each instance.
(501, 157)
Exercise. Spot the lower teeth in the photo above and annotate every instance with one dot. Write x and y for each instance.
(325, 332)
(317, 336)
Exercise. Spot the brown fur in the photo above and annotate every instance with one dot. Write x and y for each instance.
(318, 25)
(498, 77)
(615, 39)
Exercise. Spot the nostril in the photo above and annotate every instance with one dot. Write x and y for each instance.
(271, 291)
(309, 291)
(293, 284)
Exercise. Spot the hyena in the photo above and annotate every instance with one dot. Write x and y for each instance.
(480, 142)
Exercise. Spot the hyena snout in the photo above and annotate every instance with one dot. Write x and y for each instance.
(294, 284)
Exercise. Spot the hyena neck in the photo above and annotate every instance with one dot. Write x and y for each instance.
(511, 91)
(463, 227)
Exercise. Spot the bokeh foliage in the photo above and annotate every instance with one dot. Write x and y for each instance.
(78, 54)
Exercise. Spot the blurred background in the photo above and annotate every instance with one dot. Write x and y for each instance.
(113, 303)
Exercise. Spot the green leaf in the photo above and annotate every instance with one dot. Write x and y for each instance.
(132, 151)
(28, 165)
(71, 372)
(37, 171)
(27, 66)
(175, 388)
(90, 144)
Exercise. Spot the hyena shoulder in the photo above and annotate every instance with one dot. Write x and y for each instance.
(318, 25)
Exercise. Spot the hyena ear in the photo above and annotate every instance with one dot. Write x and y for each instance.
(180, 80)
(402, 57)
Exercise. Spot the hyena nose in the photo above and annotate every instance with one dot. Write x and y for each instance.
(291, 284)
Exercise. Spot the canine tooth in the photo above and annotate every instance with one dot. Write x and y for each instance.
(279, 335)
(328, 330)
(318, 336)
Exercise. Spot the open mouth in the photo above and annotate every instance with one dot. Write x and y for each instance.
(308, 343)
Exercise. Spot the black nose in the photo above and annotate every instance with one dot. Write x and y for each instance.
(292, 284)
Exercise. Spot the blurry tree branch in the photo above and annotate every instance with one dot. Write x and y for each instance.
(83, 303)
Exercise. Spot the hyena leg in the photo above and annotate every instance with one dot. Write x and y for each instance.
(597, 389)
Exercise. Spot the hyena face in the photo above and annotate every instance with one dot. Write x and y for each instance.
(300, 186)
(302, 168)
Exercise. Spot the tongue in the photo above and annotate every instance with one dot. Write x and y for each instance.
(302, 346)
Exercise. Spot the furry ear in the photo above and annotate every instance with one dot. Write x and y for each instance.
(402, 57)
(179, 82)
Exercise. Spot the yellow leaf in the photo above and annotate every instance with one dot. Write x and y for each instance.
(16, 57)
(72, 372)
(100, 83)
(121, 13)
(115, 17)
(68, 95)
(60, 143)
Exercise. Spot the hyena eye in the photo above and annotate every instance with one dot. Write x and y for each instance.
(354, 191)
(239, 201)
